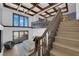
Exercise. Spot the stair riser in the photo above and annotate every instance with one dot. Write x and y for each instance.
(63, 32)
(56, 52)
(69, 30)
(74, 44)
(65, 50)
(68, 25)
(69, 35)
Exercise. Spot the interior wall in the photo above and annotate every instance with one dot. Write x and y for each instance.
(71, 11)
(38, 32)
(8, 33)
(77, 11)
(50, 18)
(0, 13)
(72, 16)
(7, 18)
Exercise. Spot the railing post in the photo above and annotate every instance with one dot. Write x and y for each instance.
(38, 48)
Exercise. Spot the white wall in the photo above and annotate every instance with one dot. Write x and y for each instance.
(7, 18)
(71, 11)
(77, 11)
(50, 18)
(38, 31)
(71, 8)
(7, 33)
(0, 13)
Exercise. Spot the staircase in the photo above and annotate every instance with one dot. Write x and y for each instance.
(67, 39)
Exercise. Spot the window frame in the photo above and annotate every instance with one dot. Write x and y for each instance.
(19, 34)
(19, 20)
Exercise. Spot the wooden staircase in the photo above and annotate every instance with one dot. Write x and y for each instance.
(67, 39)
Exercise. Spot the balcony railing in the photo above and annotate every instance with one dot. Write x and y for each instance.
(43, 44)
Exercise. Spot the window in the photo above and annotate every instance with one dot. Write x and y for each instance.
(20, 35)
(26, 21)
(15, 18)
(19, 20)
(0, 42)
(16, 35)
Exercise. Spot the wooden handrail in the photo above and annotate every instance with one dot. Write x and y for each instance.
(51, 29)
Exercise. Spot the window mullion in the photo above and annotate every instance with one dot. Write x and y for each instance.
(18, 20)
(18, 34)
(24, 21)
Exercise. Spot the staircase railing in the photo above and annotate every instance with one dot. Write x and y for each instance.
(43, 44)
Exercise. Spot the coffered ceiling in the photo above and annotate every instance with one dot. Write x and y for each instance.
(35, 8)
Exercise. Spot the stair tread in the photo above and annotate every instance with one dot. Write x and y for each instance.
(66, 33)
(57, 53)
(69, 35)
(60, 26)
(71, 21)
(67, 38)
(65, 46)
(69, 27)
(69, 32)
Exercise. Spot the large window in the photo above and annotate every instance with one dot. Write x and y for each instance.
(23, 35)
(19, 20)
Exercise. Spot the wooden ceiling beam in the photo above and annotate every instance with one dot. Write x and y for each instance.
(33, 6)
(42, 16)
(67, 7)
(47, 13)
(55, 10)
(45, 8)
(8, 6)
(18, 6)
(40, 8)
(15, 9)
(50, 16)
(26, 8)
(37, 5)
(52, 3)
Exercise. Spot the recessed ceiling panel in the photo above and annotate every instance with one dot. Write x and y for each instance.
(28, 5)
(51, 10)
(20, 8)
(43, 14)
(63, 10)
(41, 17)
(25, 10)
(43, 5)
(36, 9)
(30, 12)
(53, 13)
(61, 6)
(12, 5)
(46, 15)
